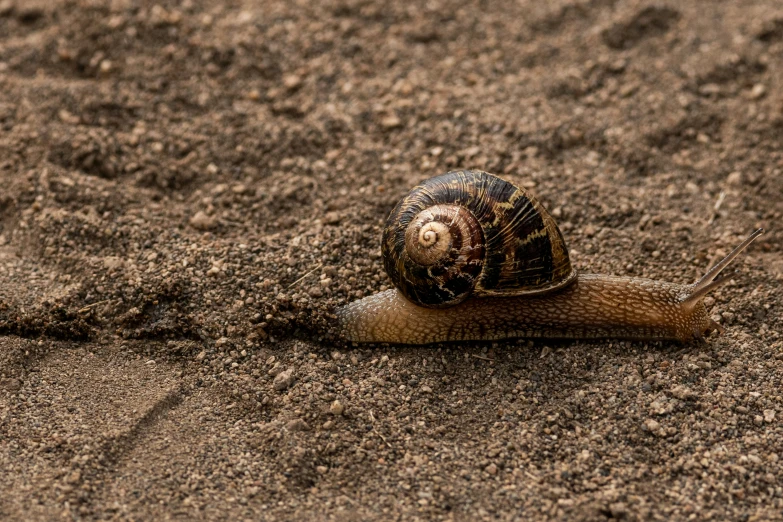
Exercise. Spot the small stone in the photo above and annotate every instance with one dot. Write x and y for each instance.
(336, 408)
(315, 291)
(201, 221)
(332, 218)
(734, 179)
(68, 117)
(628, 89)
(297, 425)
(682, 392)
(769, 415)
(651, 425)
(492, 469)
(283, 380)
(292, 81)
(426, 389)
(328, 425)
(757, 91)
(391, 122)
(709, 89)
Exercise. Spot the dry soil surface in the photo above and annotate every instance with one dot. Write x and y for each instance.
(190, 189)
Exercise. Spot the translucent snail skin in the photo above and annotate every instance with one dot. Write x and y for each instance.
(473, 257)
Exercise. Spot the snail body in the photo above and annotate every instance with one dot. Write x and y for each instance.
(473, 257)
(595, 306)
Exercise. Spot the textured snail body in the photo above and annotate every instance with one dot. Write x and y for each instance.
(473, 257)
(595, 306)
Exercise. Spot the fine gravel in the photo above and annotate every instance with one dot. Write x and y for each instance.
(189, 189)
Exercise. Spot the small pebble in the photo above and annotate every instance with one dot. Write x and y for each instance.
(758, 91)
(391, 122)
(283, 380)
(201, 221)
(297, 425)
(734, 179)
(292, 81)
(336, 408)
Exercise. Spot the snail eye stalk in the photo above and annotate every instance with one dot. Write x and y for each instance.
(711, 280)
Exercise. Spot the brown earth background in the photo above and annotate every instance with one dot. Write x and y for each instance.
(190, 188)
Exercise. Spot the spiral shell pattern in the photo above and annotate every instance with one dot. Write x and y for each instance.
(471, 233)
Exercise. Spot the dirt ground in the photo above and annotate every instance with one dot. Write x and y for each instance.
(190, 189)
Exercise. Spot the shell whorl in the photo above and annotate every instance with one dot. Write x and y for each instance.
(471, 233)
(445, 233)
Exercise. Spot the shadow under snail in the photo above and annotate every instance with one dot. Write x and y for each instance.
(473, 257)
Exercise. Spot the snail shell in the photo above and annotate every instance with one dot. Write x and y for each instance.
(469, 233)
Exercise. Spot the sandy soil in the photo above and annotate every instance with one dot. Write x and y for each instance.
(190, 189)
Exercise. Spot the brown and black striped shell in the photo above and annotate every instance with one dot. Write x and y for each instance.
(469, 233)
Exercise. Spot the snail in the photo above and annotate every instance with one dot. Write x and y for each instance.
(474, 257)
